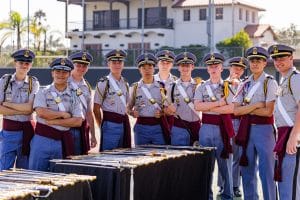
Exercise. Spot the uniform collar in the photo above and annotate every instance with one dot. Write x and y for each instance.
(291, 70)
(67, 91)
(191, 81)
(157, 77)
(121, 80)
(13, 78)
(220, 83)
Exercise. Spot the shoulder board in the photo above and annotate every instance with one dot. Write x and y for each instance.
(270, 77)
(34, 78)
(161, 84)
(125, 80)
(104, 78)
(134, 84)
(6, 76)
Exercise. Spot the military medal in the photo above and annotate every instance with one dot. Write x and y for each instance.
(119, 93)
(187, 100)
(78, 92)
(152, 101)
(247, 100)
(57, 100)
(213, 98)
(279, 91)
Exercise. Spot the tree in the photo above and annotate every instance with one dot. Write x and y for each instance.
(288, 36)
(235, 45)
(38, 29)
(15, 22)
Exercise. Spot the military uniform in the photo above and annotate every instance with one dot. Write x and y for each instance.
(165, 55)
(236, 150)
(256, 134)
(146, 99)
(17, 129)
(84, 93)
(214, 125)
(53, 141)
(287, 171)
(115, 129)
(187, 121)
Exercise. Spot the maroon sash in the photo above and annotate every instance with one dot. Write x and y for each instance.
(28, 131)
(235, 117)
(162, 121)
(193, 128)
(85, 137)
(118, 118)
(224, 122)
(170, 120)
(64, 136)
(243, 134)
(283, 136)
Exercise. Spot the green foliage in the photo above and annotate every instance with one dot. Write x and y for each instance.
(288, 36)
(236, 45)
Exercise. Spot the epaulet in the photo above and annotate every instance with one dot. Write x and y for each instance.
(134, 84)
(198, 80)
(34, 78)
(174, 77)
(89, 85)
(245, 78)
(125, 80)
(102, 79)
(162, 84)
(6, 76)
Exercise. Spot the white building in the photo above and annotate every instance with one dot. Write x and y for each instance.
(118, 23)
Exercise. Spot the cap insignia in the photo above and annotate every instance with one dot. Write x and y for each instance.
(275, 49)
(26, 53)
(63, 61)
(254, 51)
(84, 56)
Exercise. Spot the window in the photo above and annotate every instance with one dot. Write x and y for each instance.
(219, 13)
(154, 17)
(253, 17)
(186, 15)
(247, 15)
(240, 14)
(202, 14)
(106, 19)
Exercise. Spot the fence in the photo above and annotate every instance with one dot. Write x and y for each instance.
(99, 55)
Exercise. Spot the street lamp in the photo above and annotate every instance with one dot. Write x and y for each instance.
(28, 25)
(83, 13)
(143, 25)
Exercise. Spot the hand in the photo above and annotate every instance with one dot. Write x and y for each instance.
(66, 115)
(170, 110)
(93, 141)
(222, 102)
(291, 147)
(135, 114)
(49, 122)
(157, 114)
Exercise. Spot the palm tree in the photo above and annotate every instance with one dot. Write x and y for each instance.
(15, 22)
(37, 28)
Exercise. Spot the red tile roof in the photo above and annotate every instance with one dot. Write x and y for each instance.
(258, 30)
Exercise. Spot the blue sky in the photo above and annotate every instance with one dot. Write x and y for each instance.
(277, 14)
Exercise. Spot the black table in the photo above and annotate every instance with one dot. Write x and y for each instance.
(145, 173)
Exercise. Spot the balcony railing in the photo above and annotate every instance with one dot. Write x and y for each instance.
(132, 23)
